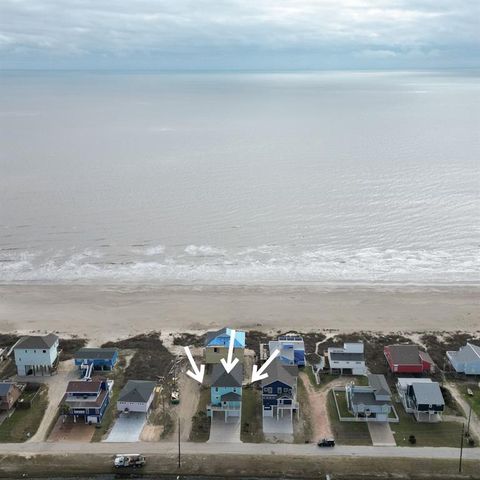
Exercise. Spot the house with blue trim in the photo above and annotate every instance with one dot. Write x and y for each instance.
(279, 390)
(217, 343)
(466, 360)
(225, 392)
(291, 347)
(100, 358)
(87, 400)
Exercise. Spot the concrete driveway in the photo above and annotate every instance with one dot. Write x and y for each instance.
(381, 434)
(127, 428)
(224, 432)
(278, 430)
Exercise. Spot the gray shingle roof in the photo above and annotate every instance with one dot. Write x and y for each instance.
(136, 391)
(379, 384)
(230, 397)
(37, 341)
(278, 372)
(95, 353)
(367, 398)
(428, 393)
(405, 354)
(220, 378)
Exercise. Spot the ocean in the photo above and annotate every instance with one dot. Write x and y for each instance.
(235, 178)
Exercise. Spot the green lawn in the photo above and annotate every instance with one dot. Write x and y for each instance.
(200, 422)
(341, 397)
(252, 431)
(346, 433)
(23, 423)
(441, 434)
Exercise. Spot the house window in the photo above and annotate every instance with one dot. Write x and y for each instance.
(279, 389)
(215, 349)
(216, 389)
(269, 390)
(44, 351)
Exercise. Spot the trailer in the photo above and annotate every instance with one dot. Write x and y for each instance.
(124, 460)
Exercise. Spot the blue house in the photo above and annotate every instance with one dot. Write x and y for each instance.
(279, 390)
(217, 343)
(100, 358)
(466, 360)
(226, 392)
(291, 347)
(87, 400)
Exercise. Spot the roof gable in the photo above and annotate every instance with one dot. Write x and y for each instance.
(37, 342)
(220, 378)
(428, 393)
(137, 391)
(278, 372)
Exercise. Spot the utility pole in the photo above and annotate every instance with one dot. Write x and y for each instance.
(461, 450)
(179, 463)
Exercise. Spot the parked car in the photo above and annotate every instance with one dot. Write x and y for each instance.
(129, 460)
(326, 442)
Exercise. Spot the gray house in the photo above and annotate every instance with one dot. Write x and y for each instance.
(422, 397)
(136, 396)
(372, 402)
(466, 360)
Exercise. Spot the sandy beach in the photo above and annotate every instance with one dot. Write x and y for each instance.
(104, 312)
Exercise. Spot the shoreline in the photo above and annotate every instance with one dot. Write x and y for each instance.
(113, 311)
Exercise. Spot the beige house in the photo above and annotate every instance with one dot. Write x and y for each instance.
(217, 343)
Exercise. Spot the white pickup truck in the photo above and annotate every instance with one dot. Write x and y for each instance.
(129, 460)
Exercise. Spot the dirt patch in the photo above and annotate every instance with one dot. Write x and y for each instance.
(69, 431)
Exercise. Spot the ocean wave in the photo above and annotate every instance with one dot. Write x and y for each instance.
(247, 265)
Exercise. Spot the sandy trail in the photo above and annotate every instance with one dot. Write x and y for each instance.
(109, 312)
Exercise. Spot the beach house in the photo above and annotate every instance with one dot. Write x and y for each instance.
(87, 400)
(225, 392)
(349, 359)
(217, 343)
(291, 348)
(422, 397)
(136, 396)
(279, 390)
(36, 355)
(408, 359)
(372, 402)
(100, 358)
(466, 360)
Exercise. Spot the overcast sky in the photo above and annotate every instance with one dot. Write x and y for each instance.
(244, 34)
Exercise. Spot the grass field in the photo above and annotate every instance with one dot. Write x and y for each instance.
(346, 433)
(441, 434)
(474, 400)
(252, 431)
(23, 423)
(303, 429)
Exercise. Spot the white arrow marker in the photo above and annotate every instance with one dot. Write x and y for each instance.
(256, 376)
(231, 362)
(199, 372)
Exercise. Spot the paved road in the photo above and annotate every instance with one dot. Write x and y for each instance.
(159, 448)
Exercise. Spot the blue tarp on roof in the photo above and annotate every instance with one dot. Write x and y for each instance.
(222, 339)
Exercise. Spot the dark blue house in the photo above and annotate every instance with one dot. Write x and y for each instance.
(279, 390)
(101, 358)
(87, 400)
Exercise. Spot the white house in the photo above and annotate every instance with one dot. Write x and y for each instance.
(136, 396)
(347, 360)
(36, 355)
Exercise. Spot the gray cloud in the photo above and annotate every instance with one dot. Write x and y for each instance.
(239, 33)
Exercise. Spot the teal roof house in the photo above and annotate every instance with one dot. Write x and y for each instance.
(226, 393)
